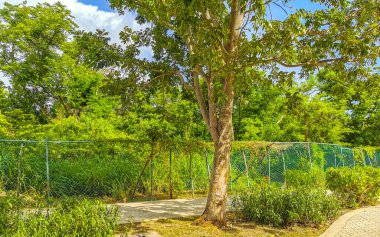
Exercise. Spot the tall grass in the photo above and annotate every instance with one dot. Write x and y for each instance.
(68, 218)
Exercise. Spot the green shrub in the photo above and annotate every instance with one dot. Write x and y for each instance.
(355, 186)
(70, 218)
(315, 178)
(281, 207)
(9, 213)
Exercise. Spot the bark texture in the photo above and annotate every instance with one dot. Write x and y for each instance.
(217, 115)
(217, 196)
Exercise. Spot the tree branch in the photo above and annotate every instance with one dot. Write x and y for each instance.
(201, 99)
(178, 74)
(203, 74)
(308, 63)
(275, 3)
(252, 9)
(312, 63)
(236, 22)
(182, 80)
(152, 13)
(213, 116)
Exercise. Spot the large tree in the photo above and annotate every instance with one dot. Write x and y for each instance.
(31, 41)
(214, 47)
(54, 69)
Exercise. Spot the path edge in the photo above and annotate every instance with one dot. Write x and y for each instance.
(341, 222)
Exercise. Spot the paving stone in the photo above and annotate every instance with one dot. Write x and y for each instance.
(364, 222)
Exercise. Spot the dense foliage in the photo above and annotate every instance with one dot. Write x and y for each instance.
(307, 179)
(309, 197)
(69, 218)
(279, 207)
(355, 186)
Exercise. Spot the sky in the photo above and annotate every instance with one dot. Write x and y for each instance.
(96, 14)
(92, 15)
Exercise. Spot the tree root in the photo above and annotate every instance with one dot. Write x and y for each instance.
(205, 220)
(200, 220)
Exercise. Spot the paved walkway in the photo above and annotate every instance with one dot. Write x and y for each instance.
(164, 209)
(363, 222)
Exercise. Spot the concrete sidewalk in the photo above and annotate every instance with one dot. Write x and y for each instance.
(363, 222)
(163, 209)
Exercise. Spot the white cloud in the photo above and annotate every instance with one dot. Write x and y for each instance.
(90, 17)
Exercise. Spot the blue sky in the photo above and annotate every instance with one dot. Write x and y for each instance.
(291, 7)
(102, 4)
(298, 4)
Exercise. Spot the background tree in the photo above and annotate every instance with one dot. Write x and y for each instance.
(213, 46)
(56, 72)
(31, 40)
(359, 92)
(297, 112)
(315, 117)
(4, 124)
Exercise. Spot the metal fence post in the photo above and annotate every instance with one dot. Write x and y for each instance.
(191, 175)
(19, 169)
(334, 160)
(309, 155)
(283, 162)
(375, 160)
(353, 157)
(268, 151)
(369, 159)
(246, 170)
(365, 156)
(47, 173)
(170, 175)
(151, 179)
(341, 153)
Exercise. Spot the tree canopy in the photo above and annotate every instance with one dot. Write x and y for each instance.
(83, 74)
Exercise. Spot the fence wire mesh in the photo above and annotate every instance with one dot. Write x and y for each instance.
(120, 170)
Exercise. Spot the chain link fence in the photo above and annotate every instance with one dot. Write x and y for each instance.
(123, 170)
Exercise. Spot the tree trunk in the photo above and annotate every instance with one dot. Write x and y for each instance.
(216, 205)
(220, 124)
(217, 196)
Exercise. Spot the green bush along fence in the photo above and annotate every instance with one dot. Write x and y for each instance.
(128, 169)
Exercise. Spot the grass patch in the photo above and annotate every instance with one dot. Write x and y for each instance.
(185, 227)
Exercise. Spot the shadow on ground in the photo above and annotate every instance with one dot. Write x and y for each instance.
(156, 210)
